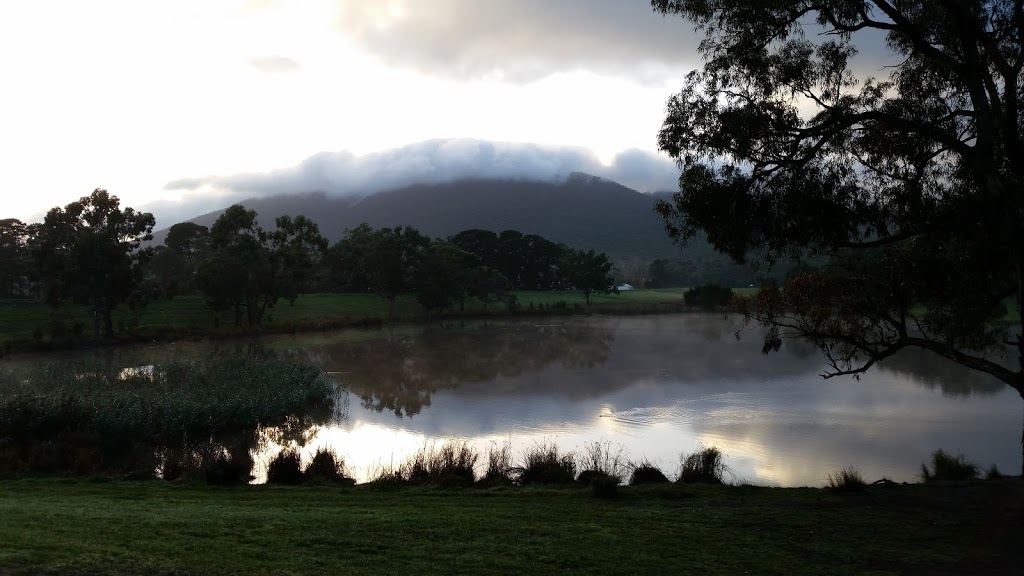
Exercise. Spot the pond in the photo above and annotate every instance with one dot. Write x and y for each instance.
(651, 387)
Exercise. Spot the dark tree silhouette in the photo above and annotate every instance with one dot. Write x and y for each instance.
(912, 185)
(90, 251)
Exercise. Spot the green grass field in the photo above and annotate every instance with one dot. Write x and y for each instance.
(187, 316)
(67, 526)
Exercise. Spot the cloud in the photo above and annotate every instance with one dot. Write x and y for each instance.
(438, 162)
(274, 64)
(522, 40)
(526, 40)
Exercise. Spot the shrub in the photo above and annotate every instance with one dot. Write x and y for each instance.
(543, 464)
(646, 472)
(993, 473)
(946, 467)
(285, 468)
(846, 480)
(326, 467)
(704, 465)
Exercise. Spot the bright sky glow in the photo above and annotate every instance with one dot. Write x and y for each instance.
(130, 95)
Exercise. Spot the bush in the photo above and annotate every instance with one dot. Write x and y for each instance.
(326, 467)
(285, 468)
(646, 473)
(704, 465)
(946, 467)
(846, 480)
(543, 464)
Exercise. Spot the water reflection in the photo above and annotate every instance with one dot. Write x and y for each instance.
(656, 385)
(663, 385)
(400, 374)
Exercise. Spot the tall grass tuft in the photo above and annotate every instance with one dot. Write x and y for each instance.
(285, 468)
(704, 466)
(946, 467)
(543, 464)
(499, 466)
(600, 460)
(453, 464)
(646, 472)
(222, 469)
(993, 473)
(326, 467)
(846, 480)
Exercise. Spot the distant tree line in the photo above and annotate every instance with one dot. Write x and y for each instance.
(92, 252)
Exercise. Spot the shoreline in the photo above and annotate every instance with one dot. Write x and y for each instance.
(552, 305)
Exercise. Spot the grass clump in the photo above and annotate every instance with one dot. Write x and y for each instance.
(946, 467)
(326, 467)
(704, 466)
(285, 468)
(223, 469)
(846, 480)
(544, 464)
(993, 473)
(453, 464)
(646, 472)
(499, 470)
(600, 462)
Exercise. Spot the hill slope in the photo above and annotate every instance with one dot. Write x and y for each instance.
(582, 212)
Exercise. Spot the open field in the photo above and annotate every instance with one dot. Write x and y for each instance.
(27, 325)
(187, 316)
(65, 526)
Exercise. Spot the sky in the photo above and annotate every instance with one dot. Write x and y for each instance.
(194, 101)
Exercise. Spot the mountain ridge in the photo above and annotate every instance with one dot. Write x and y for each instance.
(583, 211)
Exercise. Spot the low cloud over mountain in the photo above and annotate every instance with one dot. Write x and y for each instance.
(342, 174)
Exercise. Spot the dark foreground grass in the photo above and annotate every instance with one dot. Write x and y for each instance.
(63, 526)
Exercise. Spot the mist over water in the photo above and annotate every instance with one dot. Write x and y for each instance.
(654, 386)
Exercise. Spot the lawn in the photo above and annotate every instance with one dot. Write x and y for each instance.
(187, 316)
(69, 526)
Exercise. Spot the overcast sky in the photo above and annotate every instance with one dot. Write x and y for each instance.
(133, 96)
(200, 100)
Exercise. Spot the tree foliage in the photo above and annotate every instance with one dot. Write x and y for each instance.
(249, 269)
(587, 272)
(910, 185)
(90, 251)
(15, 261)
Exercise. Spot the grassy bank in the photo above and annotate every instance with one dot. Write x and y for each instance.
(60, 526)
(30, 325)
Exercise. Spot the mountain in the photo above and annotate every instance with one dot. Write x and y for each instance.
(582, 212)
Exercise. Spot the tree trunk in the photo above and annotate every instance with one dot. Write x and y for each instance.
(391, 307)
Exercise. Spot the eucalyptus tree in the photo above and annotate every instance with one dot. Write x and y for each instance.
(587, 271)
(910, 178)
(91, 251)
(248, 269)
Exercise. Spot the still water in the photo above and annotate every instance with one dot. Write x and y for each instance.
(652, 386)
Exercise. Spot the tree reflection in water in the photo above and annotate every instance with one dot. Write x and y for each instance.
(401, 374)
